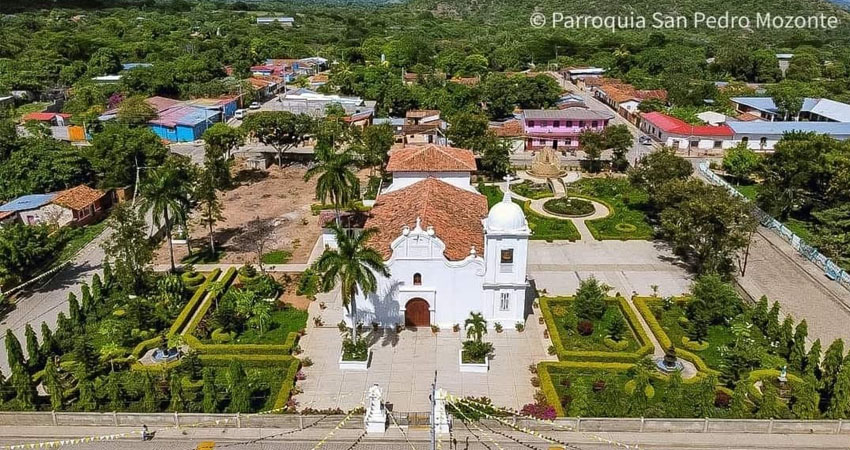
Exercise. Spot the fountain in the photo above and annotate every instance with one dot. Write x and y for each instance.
(546, 164)
(669, 362)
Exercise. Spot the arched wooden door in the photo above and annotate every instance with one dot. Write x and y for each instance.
(416, 313)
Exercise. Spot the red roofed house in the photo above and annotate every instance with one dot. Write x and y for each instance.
(678, 134)
(55, 119)
(447, 254)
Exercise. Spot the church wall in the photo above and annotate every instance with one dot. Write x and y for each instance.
(402, 180)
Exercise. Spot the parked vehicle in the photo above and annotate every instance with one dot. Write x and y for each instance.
(240, 114)
(645, 140)
(254, 105)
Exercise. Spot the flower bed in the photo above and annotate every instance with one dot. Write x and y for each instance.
(571, 346)
(571, 207)
(532, 190)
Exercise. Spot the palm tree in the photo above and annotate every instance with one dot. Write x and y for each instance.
(166, 197)
(476, 326)
(353, 265)
(336, 181)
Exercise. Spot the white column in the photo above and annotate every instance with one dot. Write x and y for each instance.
(375, 420)
(441, 418)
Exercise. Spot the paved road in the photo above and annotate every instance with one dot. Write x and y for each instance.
(478, 436)
(46, 302)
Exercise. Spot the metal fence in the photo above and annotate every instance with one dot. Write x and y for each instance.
(830, 269)
(415, 420)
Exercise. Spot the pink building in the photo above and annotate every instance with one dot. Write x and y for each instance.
(560, 128)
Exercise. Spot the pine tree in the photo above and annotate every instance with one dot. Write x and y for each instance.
(674, 396)
(739, 408)
(14, 353)
(706, 393)
(178, 403)
(107, 276)
(769, 408)
(839, 403)
(760, 314)
(53, 385)
(240, 393)
(97, 293)
(33, 355)
(772, 325)
(63, 336)
(812, 366)
(797, 354)
(806, 399)
(24, 387)
(86, 302)
(114, 392)
(786, 336)
(85, 355)
(76, 315)
(48, 344)
(86, 400)
(832, 361)
(210, 405)
(589, 302)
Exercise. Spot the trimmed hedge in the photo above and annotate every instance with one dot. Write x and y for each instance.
(548, 228)
(767, 374)
(207, 302)
(193, 303)
(605, 356)
(287, 385)
(663, 339)
(254, 361)
(694, 346)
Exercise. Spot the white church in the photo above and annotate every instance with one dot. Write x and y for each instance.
(447, 254)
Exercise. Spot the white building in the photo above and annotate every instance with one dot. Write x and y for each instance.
(411, 165)
(447, 255)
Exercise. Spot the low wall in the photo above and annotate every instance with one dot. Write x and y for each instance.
(293, 421)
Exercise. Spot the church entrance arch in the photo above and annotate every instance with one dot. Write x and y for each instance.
(417, 313)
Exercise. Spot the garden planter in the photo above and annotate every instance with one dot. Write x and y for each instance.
(473, 367)
(355, 365)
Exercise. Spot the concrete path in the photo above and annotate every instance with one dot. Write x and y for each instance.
(404, 365)
(599, 211)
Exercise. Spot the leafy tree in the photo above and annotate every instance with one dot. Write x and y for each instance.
(114, 392)
(839, 401)
(797, 353)
(117, 152)
(87, 400)
(619, 139)
(467, 129)
(42, 164)
(375, 144)
(589, 303)
(210, 403)
(280, 130)
(220, 140)
(150, 400)
(258, 233)
(23, 248)
(353, 266)
(335, 180)
(592, 143)
(759, 314)
(786, 336)
(700, 317)
(135, 111)
(495, 155)
(706, 393)
(166, 198)
(104, 61)
(476, 326)
(770, 407)
(674, 395)
(659, 168)
(740, 162)
(128, 248)
(719, 298)
(208, 203)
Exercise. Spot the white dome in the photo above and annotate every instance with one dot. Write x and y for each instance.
(506, 216)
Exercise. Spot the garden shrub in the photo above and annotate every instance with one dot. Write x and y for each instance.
(248, 273)
(355, 351)
(696, 346)
(539, 411)
(476, 352)
(585, 327)
(532, 190)
(617, 346)
(219, 336)
(572, 207)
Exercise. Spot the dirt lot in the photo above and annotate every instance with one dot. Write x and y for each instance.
(280, 196)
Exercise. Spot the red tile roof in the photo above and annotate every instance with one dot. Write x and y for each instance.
(748, 117)
(6, 214)
(78, 197)
(44, 116)
(431, 158)
(454, 213)
(510, 128)
(672, 125)
(421, 113)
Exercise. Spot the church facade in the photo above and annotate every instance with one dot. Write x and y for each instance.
(448, 255)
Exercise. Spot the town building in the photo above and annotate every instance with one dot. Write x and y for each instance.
(424, 127)
(625, 99)
(560, 128)
(813, 109)
(763, 135)
(678, 134)
(410, 165)
(306, 101)
(185, 121)
(397, 125)
(77, 206)
(582, 73)
(277, 20)
(448, 256)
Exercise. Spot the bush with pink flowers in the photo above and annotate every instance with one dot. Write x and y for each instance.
(539, 410)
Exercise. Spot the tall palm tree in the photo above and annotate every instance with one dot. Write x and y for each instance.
(336, 181)
(353, 266)
(476, 326)
(166, 197)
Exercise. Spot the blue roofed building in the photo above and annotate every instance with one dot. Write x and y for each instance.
(25, 208)
(763, 135)
(184, 123)
(813, 109)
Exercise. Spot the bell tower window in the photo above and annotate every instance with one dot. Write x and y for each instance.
(417, 279)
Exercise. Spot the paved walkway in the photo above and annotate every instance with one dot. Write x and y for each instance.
(404, 365)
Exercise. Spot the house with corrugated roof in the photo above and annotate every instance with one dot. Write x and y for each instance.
(76, 206)
(812, 109)
(559, 129)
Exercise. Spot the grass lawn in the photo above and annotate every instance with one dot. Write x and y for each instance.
(566, 320)
(532, 190)
(718, 335)
(283, 322)
(750, 191)
(493, 194)
(79, 238)
(548, 228)
(277, 257)
(204, 256)
(801, 228)
(628, 219)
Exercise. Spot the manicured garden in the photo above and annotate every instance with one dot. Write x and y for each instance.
(531, 190)
(739, 351)
(542, 227)
(572, 207)
(627, 204)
